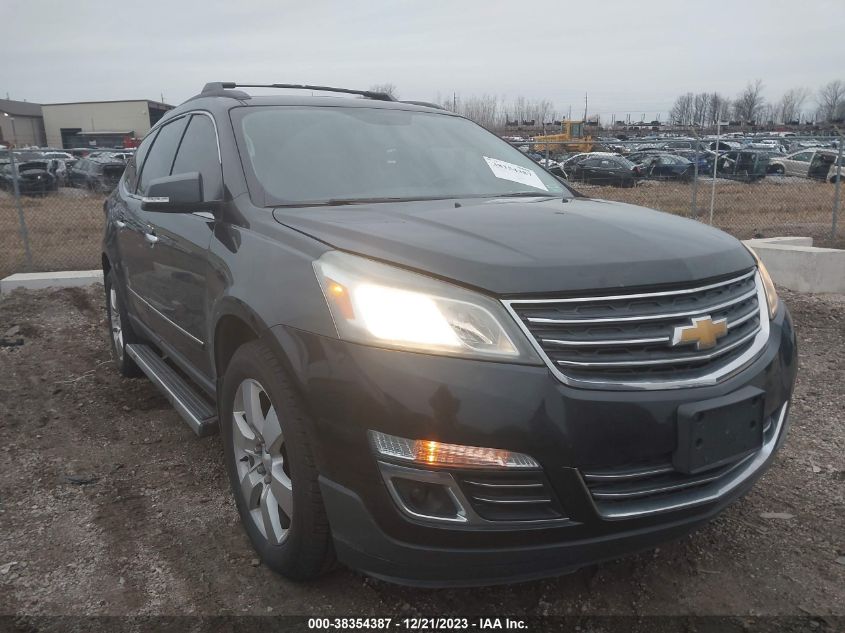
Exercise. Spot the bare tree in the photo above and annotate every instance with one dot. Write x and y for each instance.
(830, 98)
(789, 107)
(682, 110)
(699, 108)
(484, 110)
(718, 108)
(387, 88)
(749, 103)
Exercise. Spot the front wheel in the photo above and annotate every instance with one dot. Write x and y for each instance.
(271, 466)
(120, 330)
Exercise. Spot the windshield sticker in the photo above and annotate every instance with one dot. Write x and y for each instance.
(514, 173)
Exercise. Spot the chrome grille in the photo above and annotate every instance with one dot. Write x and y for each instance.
(628, 338)
(656, 486)
(510, 497)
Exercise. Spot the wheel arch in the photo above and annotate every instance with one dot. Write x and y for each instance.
(234, 326)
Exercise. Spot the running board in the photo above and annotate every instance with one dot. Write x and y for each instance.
(195, 409)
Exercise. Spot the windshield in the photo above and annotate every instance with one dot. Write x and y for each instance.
(314, 155)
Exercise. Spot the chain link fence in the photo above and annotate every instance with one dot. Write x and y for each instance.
(771, 186)
(56, 226)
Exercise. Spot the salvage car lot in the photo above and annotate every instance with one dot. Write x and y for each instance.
(110, 504)
(66, 228)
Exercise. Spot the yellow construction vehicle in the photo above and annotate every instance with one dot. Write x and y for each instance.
(570, 139)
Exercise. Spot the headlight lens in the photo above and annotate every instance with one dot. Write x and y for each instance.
(377, 304)
(768, 284)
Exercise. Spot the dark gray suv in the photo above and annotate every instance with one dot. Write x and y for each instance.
(428, 357)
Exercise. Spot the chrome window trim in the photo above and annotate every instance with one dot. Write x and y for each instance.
(710, 378)
(163, 316)
(160, 125)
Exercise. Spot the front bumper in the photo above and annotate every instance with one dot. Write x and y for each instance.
(352, 388)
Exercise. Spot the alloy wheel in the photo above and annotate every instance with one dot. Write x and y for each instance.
(260, 454)
(116, 328)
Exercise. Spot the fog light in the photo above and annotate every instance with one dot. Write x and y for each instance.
(425, 499)
(431, 453)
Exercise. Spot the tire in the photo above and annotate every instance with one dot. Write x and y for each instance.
(778, 170)
(120, 330)
(271, 465)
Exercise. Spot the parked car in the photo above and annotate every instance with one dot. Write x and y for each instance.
(33, 176)
(819, 164)
(435, 361)
(704, 158)
(663, 166)
(567, 163)
(605, 170)
(744, 165)
(100, 174)
(114, 155)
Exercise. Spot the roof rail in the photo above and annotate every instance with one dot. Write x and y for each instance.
(426, 104)
(214, 88)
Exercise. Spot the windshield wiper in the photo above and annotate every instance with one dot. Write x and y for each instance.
(337, 202)
(524, 194)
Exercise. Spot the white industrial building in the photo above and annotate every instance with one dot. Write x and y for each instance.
(21, 123)
(99, 123)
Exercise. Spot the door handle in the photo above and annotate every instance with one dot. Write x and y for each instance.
(152, 238)
(120, 224)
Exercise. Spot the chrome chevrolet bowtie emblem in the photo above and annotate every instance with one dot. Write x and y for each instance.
(704, 332)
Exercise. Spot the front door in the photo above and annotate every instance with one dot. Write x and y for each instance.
(798, 164)
(175, 286)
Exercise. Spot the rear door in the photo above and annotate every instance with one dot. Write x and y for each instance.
(77, 173)
(173, 288)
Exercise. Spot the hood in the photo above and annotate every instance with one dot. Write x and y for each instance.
(519, 246)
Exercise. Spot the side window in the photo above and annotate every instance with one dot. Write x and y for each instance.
(161, 154)
(82, 165)
(804, 157)
(133, 166)
(198, 152)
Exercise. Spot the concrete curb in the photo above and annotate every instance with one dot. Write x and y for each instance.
(61, 279)
(795, 263)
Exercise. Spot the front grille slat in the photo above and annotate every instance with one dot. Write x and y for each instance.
(510, 497)
(629, 490)
(662, 361)
(647, 317)
(627, 339)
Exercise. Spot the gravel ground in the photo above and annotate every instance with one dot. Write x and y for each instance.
(110, 505)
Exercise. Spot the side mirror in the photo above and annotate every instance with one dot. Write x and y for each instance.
(180, 193)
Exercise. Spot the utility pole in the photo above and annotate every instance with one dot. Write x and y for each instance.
(454, 102)
(585, 107)
(24, 233)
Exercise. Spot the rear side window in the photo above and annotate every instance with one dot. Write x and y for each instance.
(133, 167)
(198, 152)
(82, 165)
(161, 155)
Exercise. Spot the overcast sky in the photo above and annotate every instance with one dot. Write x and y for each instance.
(630, 56)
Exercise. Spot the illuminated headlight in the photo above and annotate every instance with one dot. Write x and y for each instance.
(431, 453)
(382, 305)
(768, 284)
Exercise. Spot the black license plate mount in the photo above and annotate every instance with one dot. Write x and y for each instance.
(712, 433)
